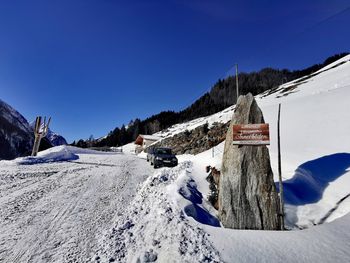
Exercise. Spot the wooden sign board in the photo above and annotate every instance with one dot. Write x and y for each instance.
(251, 134)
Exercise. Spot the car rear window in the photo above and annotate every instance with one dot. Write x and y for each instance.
(163, 151)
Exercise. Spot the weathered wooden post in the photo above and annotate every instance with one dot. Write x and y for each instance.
(280, 169)
(40, 131)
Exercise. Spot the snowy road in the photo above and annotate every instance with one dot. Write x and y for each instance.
(56, 212)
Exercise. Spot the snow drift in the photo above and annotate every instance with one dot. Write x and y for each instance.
(55, 154)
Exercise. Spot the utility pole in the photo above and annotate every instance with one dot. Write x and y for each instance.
(237, 89)
(281, 216)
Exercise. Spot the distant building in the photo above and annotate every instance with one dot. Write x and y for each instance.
(143, 141)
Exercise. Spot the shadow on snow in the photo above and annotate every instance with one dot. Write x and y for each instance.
(313, 177)
(191, 193)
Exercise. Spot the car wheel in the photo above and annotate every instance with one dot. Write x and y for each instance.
(155, 166)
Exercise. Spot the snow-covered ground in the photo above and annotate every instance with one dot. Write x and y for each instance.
(55, 207)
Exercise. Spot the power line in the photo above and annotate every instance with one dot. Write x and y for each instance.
(269, 49)
(325, 20)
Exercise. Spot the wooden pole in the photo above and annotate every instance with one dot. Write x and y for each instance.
(36, 145)
(281, 215)
(39, 132)
(237, 89)
(37, 136)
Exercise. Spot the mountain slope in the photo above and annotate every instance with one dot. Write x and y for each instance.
(16, 136)
(55, 138)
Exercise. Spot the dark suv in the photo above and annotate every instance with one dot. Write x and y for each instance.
(161, 157)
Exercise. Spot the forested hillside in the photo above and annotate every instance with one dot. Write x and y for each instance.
(221, 95)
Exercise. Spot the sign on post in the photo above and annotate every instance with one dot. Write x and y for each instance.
(251, 134)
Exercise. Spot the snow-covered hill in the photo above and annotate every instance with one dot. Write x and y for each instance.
(16, 136)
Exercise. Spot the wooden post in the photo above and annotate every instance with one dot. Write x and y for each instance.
(281, 215)
(40, 131)
(237, 89)
(37, 136)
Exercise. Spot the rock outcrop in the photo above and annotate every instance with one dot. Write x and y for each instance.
(197, 140)
(213, 179)
(247, 195)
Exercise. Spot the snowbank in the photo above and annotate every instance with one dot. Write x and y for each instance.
(142, 155)
(157, 224)
(324, 243)
(54, 154)
(129, 148)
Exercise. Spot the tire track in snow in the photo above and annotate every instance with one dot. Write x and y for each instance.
(63, 224)
(16, 202)
(31, 240)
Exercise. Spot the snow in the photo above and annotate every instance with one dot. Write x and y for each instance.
(142, 155)
(155, 227)
(150, 137)
(129, 148)
(221, 117)
(57, 211)
(54, 154)
(325, 243)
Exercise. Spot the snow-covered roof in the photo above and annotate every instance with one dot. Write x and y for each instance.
(150, 137)
(141, 137)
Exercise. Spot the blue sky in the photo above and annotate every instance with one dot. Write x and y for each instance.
(95, 64)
